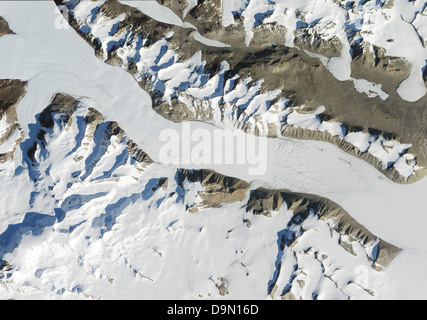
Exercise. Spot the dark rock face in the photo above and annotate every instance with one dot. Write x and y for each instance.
(4, 27)
(11, 92)
(263, 201)
(301, 78)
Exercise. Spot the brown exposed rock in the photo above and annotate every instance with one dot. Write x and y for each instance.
(63, 104)
(66, 105)
(11, 92)
(4, 27)
(175, 111)
(263, 201)
(218, 189)
(316, 44)
(374, 65)
(304, 80)
(221, 285)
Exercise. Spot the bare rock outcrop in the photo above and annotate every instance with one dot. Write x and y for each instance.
(301, 79)
(263, 201)
(4, 27)
(218, 189)
(11, 92)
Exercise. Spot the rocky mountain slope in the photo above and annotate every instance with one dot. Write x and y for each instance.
(90, 211)
(99, 212)
(201, 69)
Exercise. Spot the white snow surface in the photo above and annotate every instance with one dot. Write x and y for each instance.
(399, 29)
(156, 11)
(243, 105)
(58, 60)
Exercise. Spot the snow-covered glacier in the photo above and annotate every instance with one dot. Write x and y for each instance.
(332, 93)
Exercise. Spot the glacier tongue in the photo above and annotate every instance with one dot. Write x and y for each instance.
(185, 87)
(89, 214)
(102, 218)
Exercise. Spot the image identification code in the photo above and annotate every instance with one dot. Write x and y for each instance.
(221, 309)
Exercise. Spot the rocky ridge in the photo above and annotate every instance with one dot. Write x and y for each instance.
(83, 175)
(259, 87)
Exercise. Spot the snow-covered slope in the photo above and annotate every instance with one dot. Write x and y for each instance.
(92, 213)
(170, 64)
(337, 30)
(10, 132)
(102, 220)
